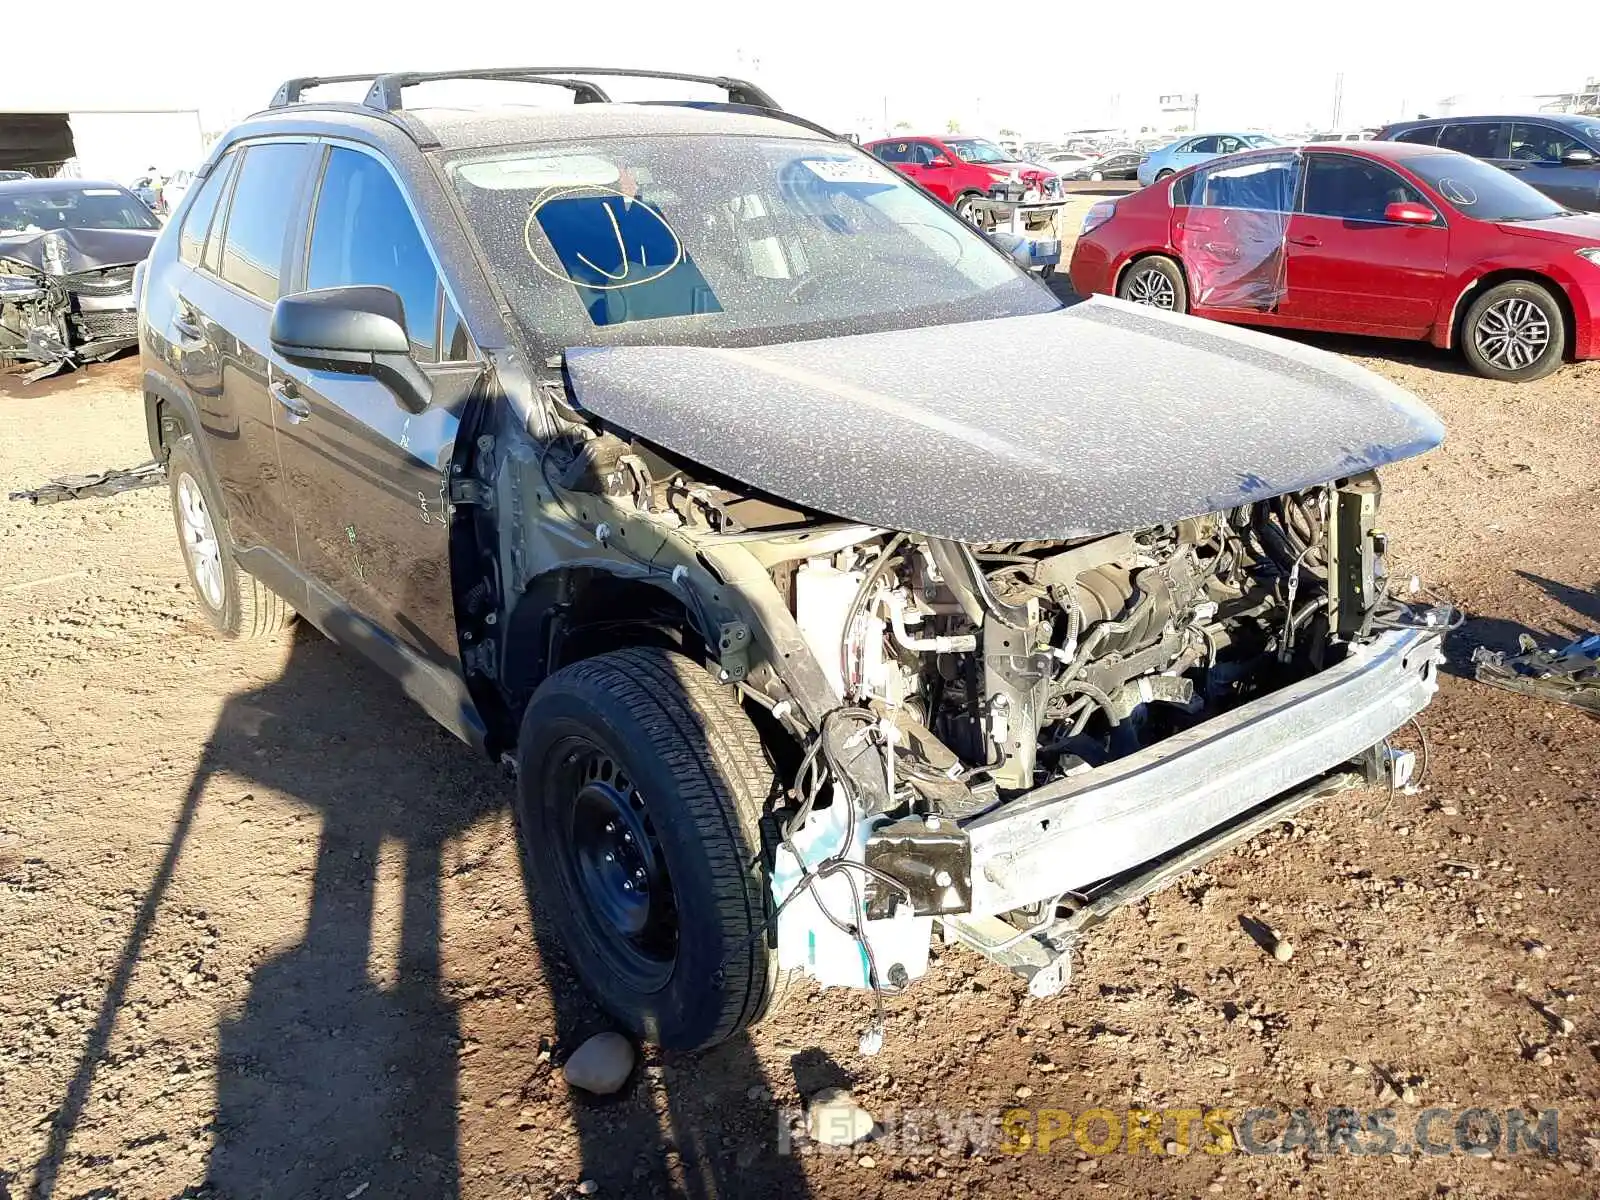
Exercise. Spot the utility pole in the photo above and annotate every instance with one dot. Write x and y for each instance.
(1338, 101)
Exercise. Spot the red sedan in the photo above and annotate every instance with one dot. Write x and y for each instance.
(959, 170)
(1382, 238)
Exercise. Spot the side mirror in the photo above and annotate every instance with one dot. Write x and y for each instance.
(938, 160)
(1409, 213)
(1578, 157)
(355, 331)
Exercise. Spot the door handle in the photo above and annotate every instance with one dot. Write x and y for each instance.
(1310, 239)
(288, 398)
(186, 325)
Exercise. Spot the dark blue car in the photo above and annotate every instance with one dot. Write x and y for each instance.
(1558, 153)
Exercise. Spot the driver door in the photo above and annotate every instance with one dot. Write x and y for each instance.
(368, 480)
(1537, 158)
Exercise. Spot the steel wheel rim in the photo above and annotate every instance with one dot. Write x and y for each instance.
(200, 545)
(1512, 334)
(1153, 288)
(615, 864)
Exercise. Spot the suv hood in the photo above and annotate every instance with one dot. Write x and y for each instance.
(1099, 418)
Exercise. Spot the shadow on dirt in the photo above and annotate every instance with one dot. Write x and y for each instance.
(331, 1078)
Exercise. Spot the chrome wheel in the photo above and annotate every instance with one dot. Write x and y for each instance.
(1512, 334)
(1152, 287)
(200, 544)
(965, 211)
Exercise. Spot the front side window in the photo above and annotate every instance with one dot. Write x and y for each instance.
(1480, 190)
(81, 207)
(1229, 145)
(1541, 143)
(258, 216)
(363, 233)
(1353, 189)
(1256, 185)
(1481, 139)
(733, 241)
(197, 221)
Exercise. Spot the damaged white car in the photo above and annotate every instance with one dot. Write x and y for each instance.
(68, 249)
(829, 584)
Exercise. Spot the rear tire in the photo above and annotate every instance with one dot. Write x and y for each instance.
(1514, 332)
(1164, 174)
(236, 603)
(641, 783)
(1157, 282)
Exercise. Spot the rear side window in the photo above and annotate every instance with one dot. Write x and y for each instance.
(197, 221)
(258, 216)
(1481, 139)
(1353, 189)
(364, 233)
(893, 152)
(1426, 136)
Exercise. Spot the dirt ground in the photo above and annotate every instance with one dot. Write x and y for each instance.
(263, 931)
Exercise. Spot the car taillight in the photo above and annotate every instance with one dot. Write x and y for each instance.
(1097, 216)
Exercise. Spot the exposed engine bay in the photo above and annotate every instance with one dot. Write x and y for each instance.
(1007, 666)
(59, 321)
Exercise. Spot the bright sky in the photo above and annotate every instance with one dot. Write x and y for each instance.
(847, 63)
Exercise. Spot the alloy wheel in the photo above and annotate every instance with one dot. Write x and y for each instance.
(200, 545)
(1512, 334)
(1153, 288)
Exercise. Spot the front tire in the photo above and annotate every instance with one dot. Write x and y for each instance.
(1157, 282)
(964, 208)
(1163, 174)
(1515, 332)
(641, 783)
(234, 602)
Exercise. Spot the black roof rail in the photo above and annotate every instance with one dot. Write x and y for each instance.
(385, 93)
(289, 92)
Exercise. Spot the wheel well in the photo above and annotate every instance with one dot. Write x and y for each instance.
(1116, 285)
(166, 424)
(1512, 275)
(571, 615)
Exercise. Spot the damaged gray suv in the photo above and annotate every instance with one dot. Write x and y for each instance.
(824, 578)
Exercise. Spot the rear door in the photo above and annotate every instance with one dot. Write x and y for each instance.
(1349, 267)
(1538, 153)
(220, 327)
(368, 480)
(1229, 222)
(1195, 150)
